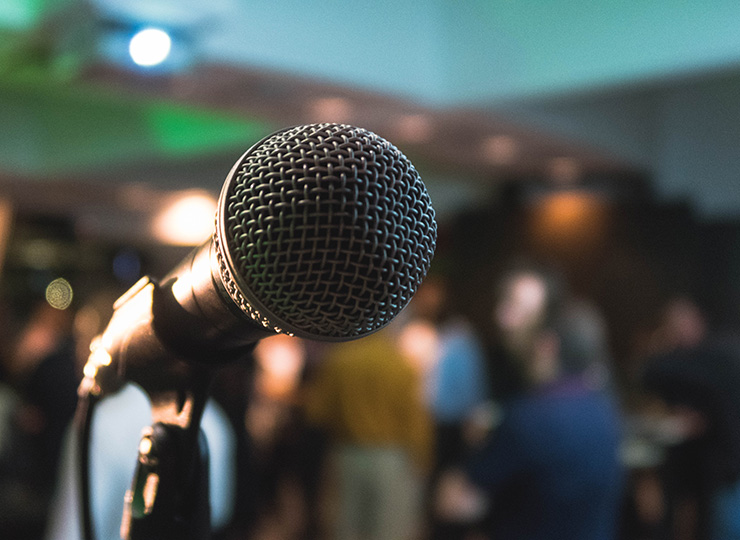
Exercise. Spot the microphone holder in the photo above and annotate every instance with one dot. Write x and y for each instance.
(169, 495)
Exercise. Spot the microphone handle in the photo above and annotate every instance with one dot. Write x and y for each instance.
(160, 331)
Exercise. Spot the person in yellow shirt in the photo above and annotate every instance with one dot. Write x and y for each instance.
(368, 398)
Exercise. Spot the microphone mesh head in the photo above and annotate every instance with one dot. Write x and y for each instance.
(325, 231)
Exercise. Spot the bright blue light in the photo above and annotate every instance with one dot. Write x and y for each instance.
(150, 47)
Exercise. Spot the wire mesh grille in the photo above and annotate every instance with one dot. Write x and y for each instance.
(329, 228)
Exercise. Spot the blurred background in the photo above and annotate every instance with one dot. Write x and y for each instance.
(601, 137)
(605, 136)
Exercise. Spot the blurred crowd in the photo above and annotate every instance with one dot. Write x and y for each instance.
(522, 425)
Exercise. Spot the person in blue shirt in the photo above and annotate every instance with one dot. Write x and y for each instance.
(456, 383)
(456, 378)
(550, 469)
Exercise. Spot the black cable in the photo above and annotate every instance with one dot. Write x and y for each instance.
(83, 422)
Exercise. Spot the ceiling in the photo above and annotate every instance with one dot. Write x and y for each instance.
(474, 92)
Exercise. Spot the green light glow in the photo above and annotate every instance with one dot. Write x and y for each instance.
(178, 130)
(21, 14)
(62, 130)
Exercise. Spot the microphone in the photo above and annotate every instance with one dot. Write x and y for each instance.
(323, 232)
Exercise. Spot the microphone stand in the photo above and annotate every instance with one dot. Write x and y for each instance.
(169, 496)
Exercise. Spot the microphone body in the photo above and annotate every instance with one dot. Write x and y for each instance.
(323, 232)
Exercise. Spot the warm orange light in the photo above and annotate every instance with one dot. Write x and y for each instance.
(280, 359)
(567, 210)
(188, 221)
(331, 109)
(6, 216)
(571, 219)
(415, 128)
(500, 149)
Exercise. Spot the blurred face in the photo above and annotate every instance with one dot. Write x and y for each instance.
(419, 342)
(520, 310)
(522, 303)
(684, 324)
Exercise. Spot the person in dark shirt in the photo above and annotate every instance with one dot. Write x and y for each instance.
(41, 368)
(551, 469)
(701, 386)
